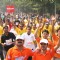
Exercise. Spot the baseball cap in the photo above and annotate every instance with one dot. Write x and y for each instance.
(44, 41)
(19, 37)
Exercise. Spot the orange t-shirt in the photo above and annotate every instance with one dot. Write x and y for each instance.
(15, 54)
(48, 56)
(55, 39)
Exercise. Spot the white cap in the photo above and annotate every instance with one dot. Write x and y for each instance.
(19, 37)
(44, 41)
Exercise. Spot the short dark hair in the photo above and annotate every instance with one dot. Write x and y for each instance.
(45, 31)
(5, 27)
(29, 27)
(58, 29)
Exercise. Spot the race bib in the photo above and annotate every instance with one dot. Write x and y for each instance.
(20, 58)
(9, 42)
(30, 42)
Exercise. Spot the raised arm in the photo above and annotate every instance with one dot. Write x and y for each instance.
(58, 45)
(39, 28)
(53, 23)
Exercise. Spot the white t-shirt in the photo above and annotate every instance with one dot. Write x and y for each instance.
(28, 40)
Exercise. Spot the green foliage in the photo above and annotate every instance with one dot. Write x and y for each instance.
(33, 6)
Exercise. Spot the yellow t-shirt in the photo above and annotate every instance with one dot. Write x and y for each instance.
(1, 30)
(25, 22)
(22, 31)
(56, 27)
(49, 29)
(19, 31)
(33, 31)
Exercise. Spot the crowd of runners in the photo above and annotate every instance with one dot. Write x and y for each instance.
(29, 37)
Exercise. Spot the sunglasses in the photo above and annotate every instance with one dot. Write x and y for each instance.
(43, 43)
(19, 39)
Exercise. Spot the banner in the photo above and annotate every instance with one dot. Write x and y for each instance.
(9, 9)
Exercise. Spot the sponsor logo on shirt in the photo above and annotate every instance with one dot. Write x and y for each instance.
(20, 58)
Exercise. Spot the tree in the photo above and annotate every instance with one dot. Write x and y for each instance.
(33, 6)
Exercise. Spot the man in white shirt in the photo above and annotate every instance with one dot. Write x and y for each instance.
(29, 39)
